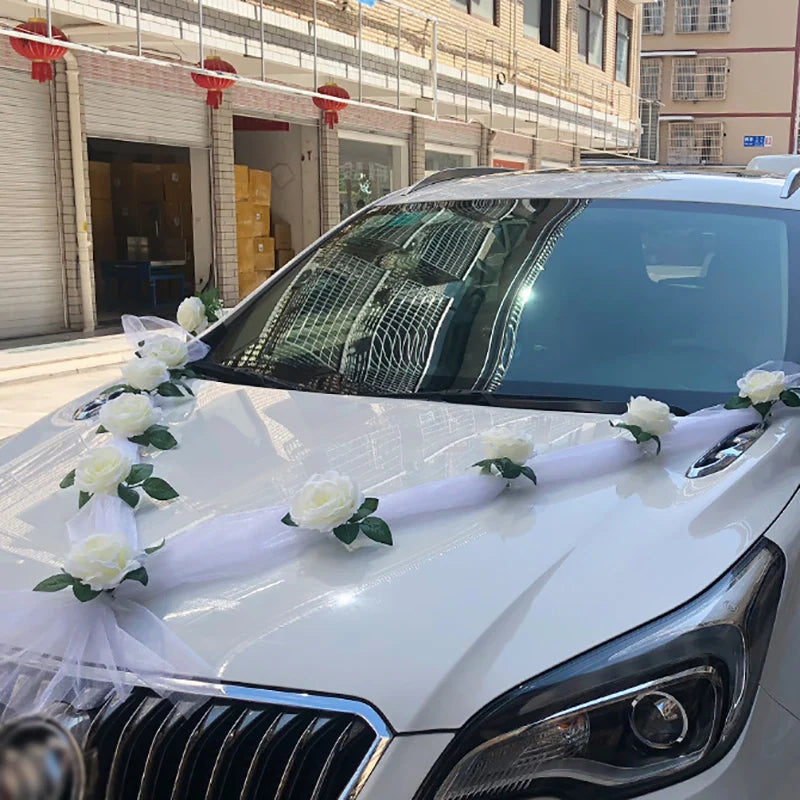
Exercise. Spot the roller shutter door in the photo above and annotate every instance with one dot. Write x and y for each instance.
(31, 262)
(135, 114)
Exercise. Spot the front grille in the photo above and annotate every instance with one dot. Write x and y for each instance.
(238, 744)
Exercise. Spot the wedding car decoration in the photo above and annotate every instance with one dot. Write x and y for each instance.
(332, 503)
(762, 389)
(647, 420)
(506, 454)
(99, 563)
(118, 636)
(196, 313)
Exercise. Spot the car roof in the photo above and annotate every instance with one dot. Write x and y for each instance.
(741, 187)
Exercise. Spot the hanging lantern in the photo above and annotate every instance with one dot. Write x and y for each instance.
(335, 102)
(215, 84)
(40, 54)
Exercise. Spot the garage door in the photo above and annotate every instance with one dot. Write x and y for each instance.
(31, 289)
(134, 114)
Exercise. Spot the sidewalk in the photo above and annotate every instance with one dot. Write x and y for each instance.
(38, 376)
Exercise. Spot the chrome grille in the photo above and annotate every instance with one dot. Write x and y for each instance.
(218, 742)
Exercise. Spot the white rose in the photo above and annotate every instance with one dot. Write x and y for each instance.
(502, 443)
(761, 386)
(101, 470)
(128, 415)
(145, 373)
(325, 502)
(652, 416)
(169, 350)
(192, 315)
(102, 560)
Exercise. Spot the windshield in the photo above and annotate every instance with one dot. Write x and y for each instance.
(547, 298)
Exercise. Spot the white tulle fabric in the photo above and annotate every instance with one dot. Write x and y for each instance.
(140, 329)
(120, 640)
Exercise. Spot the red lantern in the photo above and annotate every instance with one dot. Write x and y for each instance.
(40, 54)
(215, 84)
(333, 103)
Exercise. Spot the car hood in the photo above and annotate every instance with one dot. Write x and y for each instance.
(465, 605)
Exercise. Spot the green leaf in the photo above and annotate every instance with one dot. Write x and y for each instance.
(138, 473)
(763, 408)
(188, 372)
(369, 506)
(83, 499)
(159, 437)
(155, 548)
(83, 591)
(376, 529)
(55, 583)
(159, 489)
(790, 399)
(186, 389)
(128, 495)
(738, 402)
(507, 468)
(347, 533)
(139, 575)
(168, 389)
(68, 480)
(101, 429)
(529, 474)
(657, 440)
(287, 520)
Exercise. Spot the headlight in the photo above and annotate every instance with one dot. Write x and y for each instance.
(649, 709)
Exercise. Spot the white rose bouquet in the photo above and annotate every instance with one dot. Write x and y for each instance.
(99, 563)
(332, 502)
(506, 454)
(762, 389)
(106, 470)
(158, 368)
(133, 417)
(646, 420)
(195, 313)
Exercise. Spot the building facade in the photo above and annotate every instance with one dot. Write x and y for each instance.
(126, 191)
(726, 76)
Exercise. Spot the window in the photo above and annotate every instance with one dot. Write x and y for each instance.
(694, 143)
(703, 78)
(591, 27)
(477, 8)
(501, 295)
(702, 16)
(648, 144)
(436, 160)
(651, 78)
(539, 19)
(623, 66)
(653, 17)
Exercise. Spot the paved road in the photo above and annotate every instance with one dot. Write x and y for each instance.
(21, 404)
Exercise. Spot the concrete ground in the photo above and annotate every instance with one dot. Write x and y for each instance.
(37, 376)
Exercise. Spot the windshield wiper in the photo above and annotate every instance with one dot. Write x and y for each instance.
(540, 403)
(240, 375)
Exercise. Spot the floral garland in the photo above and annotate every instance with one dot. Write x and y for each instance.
(105, 556)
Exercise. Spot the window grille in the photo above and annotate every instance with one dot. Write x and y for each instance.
(703, 78)
(651, 78)
(694, 143)
(653, 17)
(702, 16)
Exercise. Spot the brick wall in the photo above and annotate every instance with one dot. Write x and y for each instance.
(329, 177)
(417, 149)
(224, 199)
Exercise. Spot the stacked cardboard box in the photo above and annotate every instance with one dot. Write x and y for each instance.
(282, 233)
(253, 215)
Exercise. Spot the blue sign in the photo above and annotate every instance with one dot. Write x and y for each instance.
(758, 141)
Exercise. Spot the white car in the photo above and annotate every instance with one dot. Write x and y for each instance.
(633, 633)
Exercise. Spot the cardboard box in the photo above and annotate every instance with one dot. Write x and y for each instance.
(261, 220)
(100, 180)
(246, 251)
(148, 186)
(264, 253)
(283, 257)
(177, 181)
(245, 219)
(242, 178)
(282, 233)
(261, 187)
(249, 282)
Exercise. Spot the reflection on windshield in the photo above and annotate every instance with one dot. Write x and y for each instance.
(543, 297)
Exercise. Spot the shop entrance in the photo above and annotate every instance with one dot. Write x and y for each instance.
(143, 227)
(277, 195)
